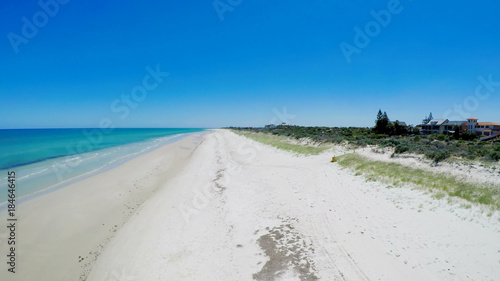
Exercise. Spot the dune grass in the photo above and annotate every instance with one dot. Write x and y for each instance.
(434, 147)
(439, 185)
(282, 142)
(391, 173)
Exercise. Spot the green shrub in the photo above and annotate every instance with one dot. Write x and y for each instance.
(468, 136)
(389, 142)
(401, 148)
(494, 155)
(425, 141)
(478, 151)
(441, 137)
(437, 155)
(463, 153)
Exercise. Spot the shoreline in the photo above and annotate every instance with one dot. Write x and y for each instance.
(60, 234)
(97, 171)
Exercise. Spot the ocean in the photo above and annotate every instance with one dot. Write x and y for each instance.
(47, 159)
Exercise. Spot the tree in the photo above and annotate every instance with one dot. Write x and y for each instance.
(400, 130)
(390, 129)
(468, 136)
(456, 133)
(385, 118)
(416, 131)
(385, 124)
(379, 117)
(378, 123)
(427, 119)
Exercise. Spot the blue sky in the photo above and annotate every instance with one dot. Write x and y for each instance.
(265, 62)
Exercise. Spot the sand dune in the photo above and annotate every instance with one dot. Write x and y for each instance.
(465, 170)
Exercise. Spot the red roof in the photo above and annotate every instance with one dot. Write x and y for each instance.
(472, 118)
(488, 124)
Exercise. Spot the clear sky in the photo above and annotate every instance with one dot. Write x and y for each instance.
(246, 62)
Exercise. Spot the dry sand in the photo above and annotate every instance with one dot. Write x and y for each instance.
(239, 210)
(61, 233)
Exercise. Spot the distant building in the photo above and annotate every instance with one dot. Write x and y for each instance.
(273, 126)
(443, 127)
(270, 126)
(482, 128)
(447, 127)
(402, 124)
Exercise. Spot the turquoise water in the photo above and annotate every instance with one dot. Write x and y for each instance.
(46, 159)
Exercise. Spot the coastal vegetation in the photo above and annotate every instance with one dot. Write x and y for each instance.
(435, 147)
(282, 142)
(393, 174)
(385, 134)
(440, 185)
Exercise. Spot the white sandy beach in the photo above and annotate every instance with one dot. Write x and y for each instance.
(218, 206)
(60, 234)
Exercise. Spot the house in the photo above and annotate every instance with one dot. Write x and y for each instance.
(482, 128)
(442, 127)
(402, 124)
